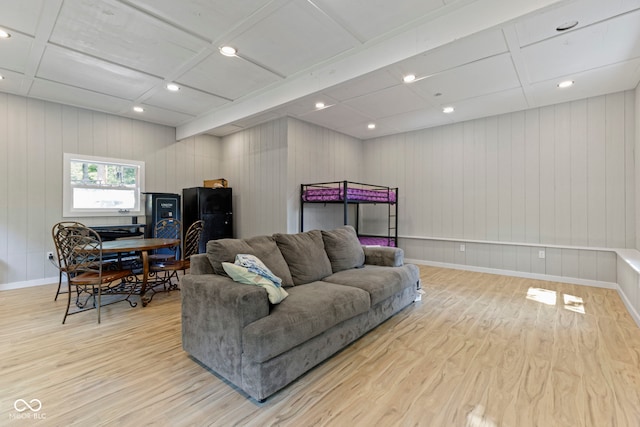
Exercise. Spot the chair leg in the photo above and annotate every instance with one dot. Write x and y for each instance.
(99, 301)
(66, 313)
(59, 284)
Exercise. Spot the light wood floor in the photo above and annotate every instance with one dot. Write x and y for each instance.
(532, 353)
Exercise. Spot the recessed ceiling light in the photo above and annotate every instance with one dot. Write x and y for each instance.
(4, 34)
(448, 110)
(371, 126)
(566, 26)
(173, 87)
(1, 77)
(228, 51)
(565, 84)
(320, 105)
(138, 109)
(409, 78)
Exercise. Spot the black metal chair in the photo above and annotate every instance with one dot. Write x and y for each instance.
(88, 275)
(165, 271)
(59, 261)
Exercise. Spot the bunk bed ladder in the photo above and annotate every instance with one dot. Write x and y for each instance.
(392, 222)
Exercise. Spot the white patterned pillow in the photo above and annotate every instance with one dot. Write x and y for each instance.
(254, 265)
(242, 274)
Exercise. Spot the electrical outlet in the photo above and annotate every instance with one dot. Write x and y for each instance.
(49, 255)
(541, 254)
(463, 248)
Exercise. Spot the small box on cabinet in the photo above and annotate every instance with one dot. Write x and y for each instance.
(216, 183)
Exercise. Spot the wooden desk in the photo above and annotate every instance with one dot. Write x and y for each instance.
(143, 246)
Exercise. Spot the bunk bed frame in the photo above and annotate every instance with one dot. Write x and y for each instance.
(355, 193)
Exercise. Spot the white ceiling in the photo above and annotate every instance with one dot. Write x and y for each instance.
(483, 57)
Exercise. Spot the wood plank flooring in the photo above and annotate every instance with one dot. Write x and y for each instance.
(517, 352)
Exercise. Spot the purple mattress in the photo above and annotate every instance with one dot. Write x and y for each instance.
(376, 241)
(353, 194)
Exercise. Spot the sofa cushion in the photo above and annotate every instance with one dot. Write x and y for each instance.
(305, 256)
(264, 247)
(379, 282)
(343, 248)
(308, 311)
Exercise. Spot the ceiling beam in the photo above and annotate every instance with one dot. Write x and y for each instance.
(454, 21)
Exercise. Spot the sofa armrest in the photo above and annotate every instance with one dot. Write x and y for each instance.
(383, 256)
(199, 264)
(215, 310)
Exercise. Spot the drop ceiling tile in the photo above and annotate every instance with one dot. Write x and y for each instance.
(413, 120)
(471, 80)
(209, 19)
(608, 42)
(14, 52)
(21, 15)
(124, 35)
(541, 26)
(227, 77)
(13, 82)
(600, 81)
(293, 38)
(368, 19)
(490, 105)
(76, 69)
(305, 105)
(388, 102)
(186, 100)
(159, 115)
(334, 117)
(361, 130)
(362, 85)
(460, 52)
(77, 97)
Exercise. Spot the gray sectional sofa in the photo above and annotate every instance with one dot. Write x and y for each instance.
(337, 291)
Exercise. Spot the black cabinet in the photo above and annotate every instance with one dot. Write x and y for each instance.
(159, 206)
(214, 207)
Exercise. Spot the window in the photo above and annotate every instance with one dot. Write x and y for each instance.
(101, 186)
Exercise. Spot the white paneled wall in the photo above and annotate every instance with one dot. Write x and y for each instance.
(267, 163)
(561, 178)
(317, 154)
(558, 175)
(255, 163)
(33, 137)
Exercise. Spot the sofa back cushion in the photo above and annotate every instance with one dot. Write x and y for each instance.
(263, 247)
(343, 248)
(305, 255)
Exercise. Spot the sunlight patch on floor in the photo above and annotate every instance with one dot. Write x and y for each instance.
(549, 297)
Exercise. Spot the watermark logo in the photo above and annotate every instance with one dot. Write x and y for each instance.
(27, 410)
(21, 405)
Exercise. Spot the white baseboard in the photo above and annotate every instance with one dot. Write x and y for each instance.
(28, 283)
(523, 274)
(632, 311)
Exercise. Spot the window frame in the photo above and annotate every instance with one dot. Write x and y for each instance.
(68, 209)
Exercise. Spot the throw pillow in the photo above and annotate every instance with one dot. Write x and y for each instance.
(254, 265)
(263, 247)
(343, 248)
(305, 256)
(243, 275)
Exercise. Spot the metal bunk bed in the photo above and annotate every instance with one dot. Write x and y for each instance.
(355, 193)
